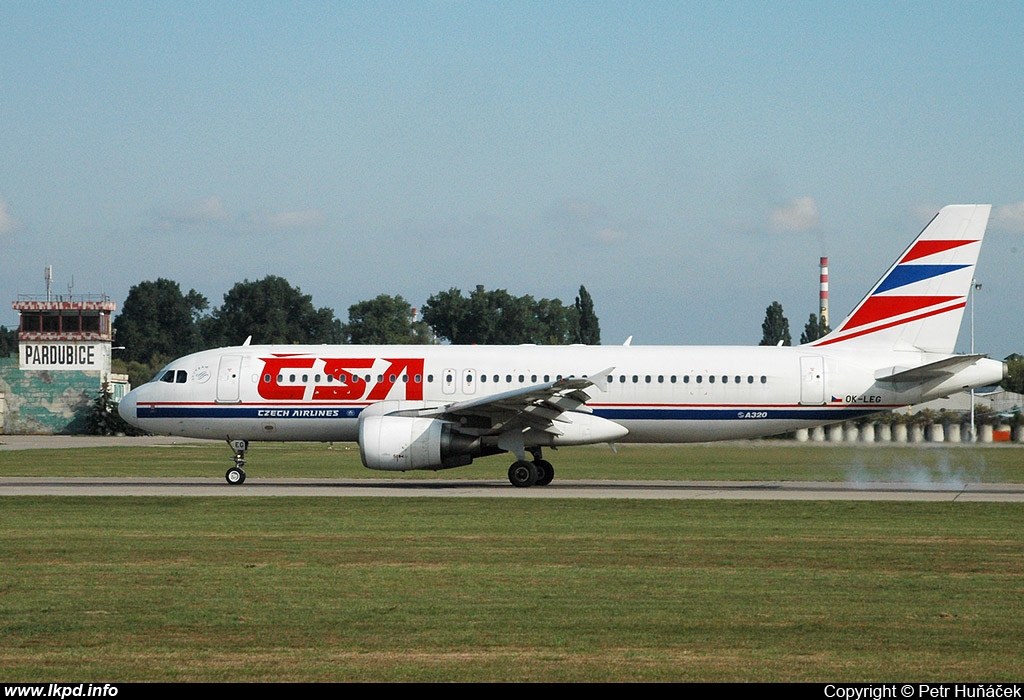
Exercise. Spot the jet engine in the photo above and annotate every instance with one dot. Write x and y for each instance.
(401, 443)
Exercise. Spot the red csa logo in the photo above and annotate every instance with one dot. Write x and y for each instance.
(341, 379)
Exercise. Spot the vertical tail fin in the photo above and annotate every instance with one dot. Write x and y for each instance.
(919, 303)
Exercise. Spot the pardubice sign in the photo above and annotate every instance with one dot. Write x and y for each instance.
(64, 355)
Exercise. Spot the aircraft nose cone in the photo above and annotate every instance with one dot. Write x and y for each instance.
(126, 408)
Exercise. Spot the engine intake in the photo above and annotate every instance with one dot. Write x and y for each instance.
(401, 443)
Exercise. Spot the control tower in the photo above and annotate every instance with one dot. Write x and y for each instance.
(64, 351)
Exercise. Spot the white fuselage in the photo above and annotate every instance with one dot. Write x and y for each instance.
(659, 394)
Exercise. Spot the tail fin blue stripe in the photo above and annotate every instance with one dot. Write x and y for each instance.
(908, 274)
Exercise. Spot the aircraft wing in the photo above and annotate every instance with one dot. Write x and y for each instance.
(539, 407)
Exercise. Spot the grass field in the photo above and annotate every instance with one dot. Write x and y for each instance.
(756, 460)
(362, 589)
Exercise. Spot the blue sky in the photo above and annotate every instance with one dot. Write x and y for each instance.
(687, 162)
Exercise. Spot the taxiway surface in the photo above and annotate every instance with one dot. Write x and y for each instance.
(465, 488)
(460, 488)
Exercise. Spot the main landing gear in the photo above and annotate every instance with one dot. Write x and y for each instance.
(539, 472)
(236, 474)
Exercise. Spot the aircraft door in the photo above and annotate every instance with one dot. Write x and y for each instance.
(228, 378)
(812, 381)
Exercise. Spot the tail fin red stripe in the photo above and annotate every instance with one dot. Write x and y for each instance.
(880, 308)
(829, 339)
(922, 249)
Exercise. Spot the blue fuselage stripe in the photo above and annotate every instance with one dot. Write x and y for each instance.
(815, 413)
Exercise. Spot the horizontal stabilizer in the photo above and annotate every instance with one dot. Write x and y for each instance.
(932, 370)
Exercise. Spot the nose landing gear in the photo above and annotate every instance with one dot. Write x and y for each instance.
(236, 474)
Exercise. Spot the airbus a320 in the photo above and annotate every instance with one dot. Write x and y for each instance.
(442, 406)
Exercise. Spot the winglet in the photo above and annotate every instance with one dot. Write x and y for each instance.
(600, 379)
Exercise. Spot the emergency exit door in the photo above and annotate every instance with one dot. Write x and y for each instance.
(812, 381)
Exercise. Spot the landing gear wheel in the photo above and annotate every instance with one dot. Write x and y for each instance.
(522, 474)
(545, 472)
(236, 474)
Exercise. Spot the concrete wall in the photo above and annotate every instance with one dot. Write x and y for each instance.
(908, 434)
(44, 402)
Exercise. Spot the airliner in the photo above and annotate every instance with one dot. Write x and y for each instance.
(442, 406)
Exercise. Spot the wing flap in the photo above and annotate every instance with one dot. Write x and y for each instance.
(539, 407)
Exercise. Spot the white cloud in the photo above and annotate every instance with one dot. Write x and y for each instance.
(923, 213)
(208, 210)
(288, 220)
(1009, 217)
(609, 235)
(7, 222)
(574, 214)
(800, 214)
(578, 217)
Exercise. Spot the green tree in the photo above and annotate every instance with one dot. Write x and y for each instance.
(510, 320)
(103, 418)
(814, 329)
(775, 327)
(272, 311)
(1015, 369)
(141, 372)
(588, 329)
(385, 320)
(498, 318)
(8, 341)
(557, 324)
(446, 313)
(158, 320)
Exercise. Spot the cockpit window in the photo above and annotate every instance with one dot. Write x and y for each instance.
(173, 376)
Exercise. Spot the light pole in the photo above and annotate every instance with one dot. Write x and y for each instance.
(975, 286)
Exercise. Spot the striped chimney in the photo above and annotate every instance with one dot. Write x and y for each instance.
(823, 293)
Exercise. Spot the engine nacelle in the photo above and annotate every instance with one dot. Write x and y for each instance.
(401, 443)
(587, 429)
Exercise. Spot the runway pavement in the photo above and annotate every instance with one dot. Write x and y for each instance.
(464, 488)
(457, 488)
(57, 442)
